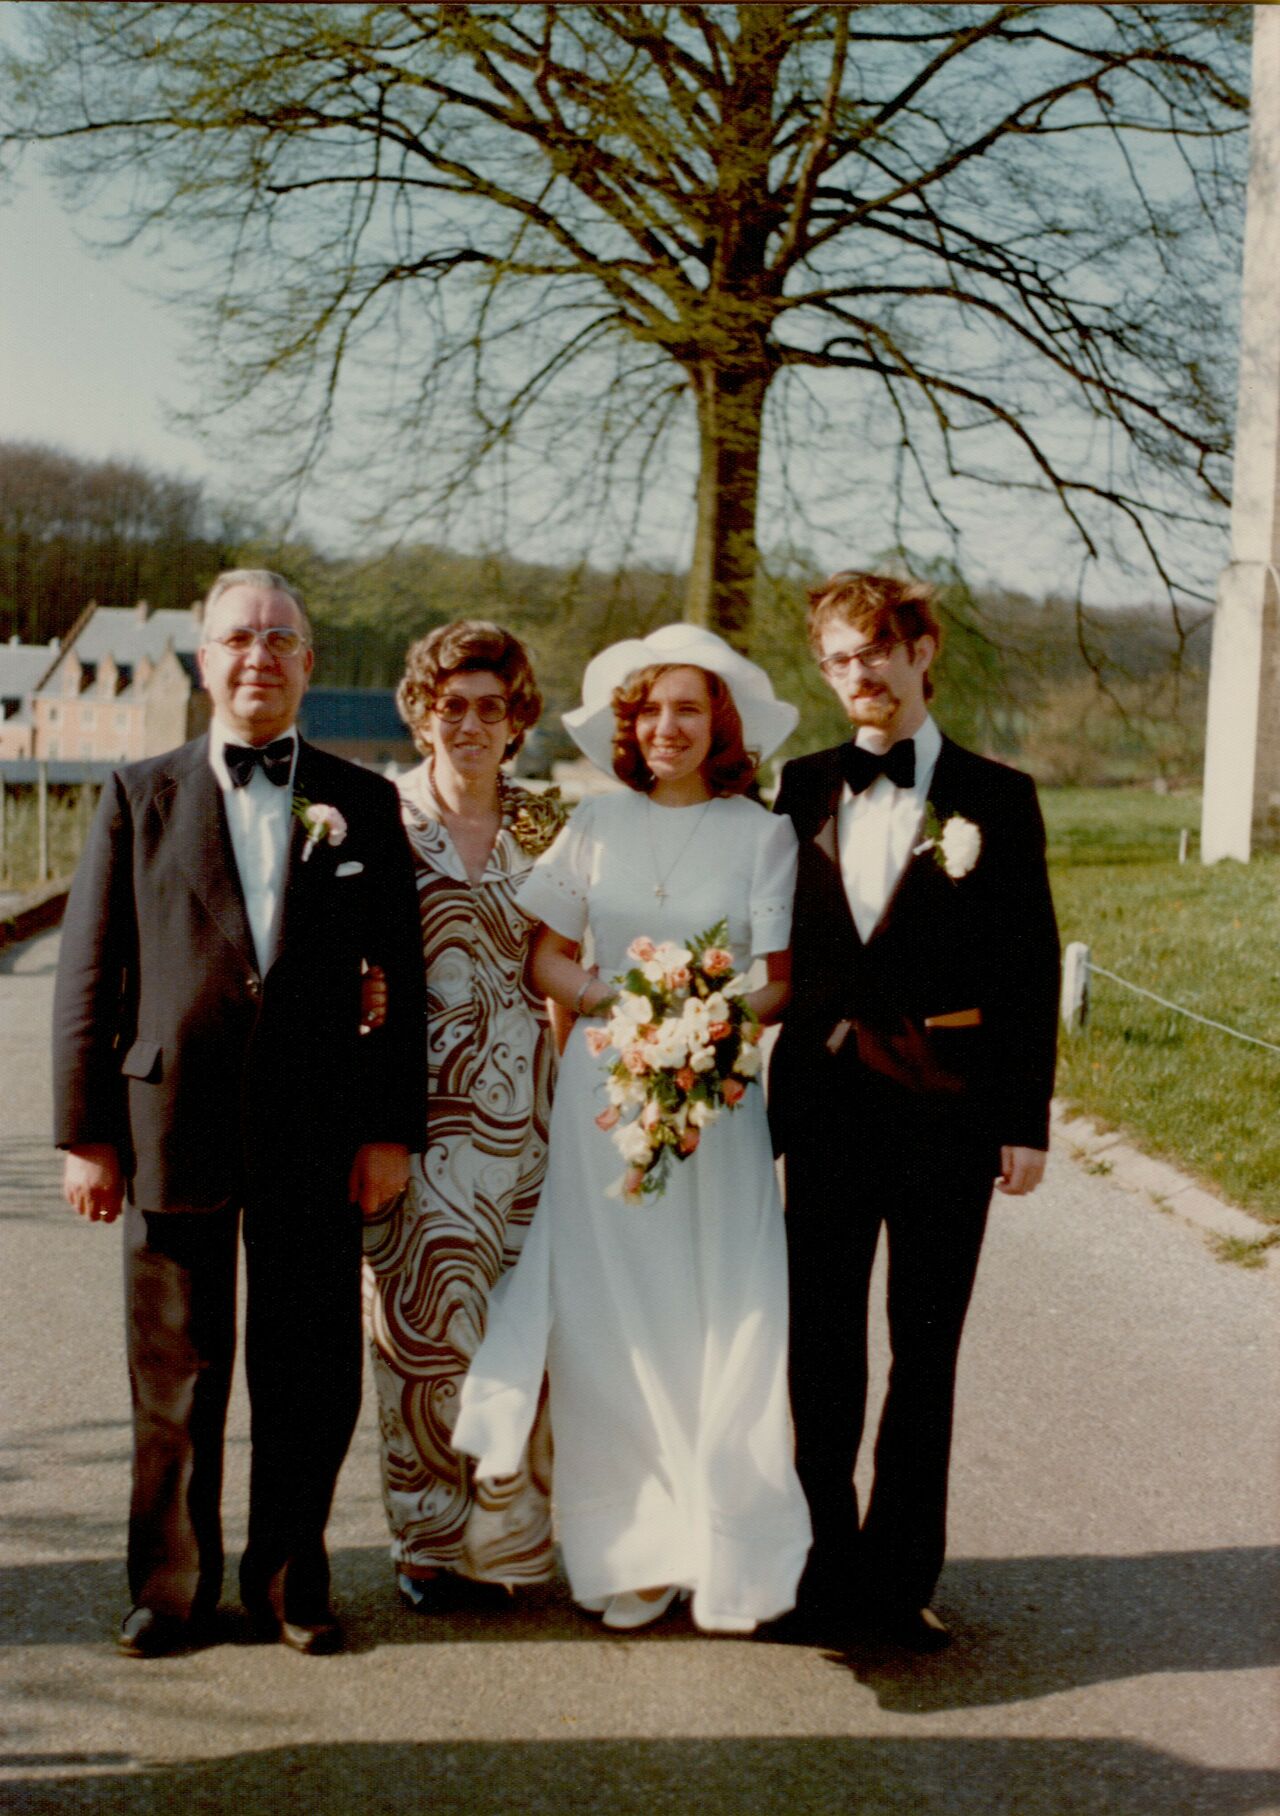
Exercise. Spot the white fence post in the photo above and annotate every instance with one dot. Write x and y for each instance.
(42, 823)
(1075, 986)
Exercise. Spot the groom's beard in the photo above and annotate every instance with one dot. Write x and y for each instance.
(876, 707)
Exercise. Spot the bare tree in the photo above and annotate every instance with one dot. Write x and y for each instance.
(927, 250)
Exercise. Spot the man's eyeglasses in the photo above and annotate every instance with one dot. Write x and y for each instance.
(452, 708)
(277, 639)
(872, 655)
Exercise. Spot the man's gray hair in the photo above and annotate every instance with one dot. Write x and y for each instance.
(266, 578)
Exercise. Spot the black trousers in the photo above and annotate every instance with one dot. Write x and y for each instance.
(925, 1174)
(303, 1354)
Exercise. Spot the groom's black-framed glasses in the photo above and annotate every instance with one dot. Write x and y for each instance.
(872, 655)
(452, 708)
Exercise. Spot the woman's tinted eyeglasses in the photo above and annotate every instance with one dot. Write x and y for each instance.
(452, 708)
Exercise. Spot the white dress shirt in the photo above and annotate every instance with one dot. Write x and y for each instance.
(878, 830)
(258, 817)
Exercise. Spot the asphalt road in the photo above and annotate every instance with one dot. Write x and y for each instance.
(1112, 1582)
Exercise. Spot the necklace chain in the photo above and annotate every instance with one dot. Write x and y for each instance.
(662, 878)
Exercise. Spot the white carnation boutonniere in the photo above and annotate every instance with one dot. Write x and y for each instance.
(956, 843)
(323, 824)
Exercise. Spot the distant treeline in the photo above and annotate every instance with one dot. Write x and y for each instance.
(74, 530)
(1116, 698)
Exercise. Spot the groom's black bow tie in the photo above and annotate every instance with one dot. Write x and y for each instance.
(862, 766)
(274, 759)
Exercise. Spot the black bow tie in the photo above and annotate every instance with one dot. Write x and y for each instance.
(862, 766)
(275, 761)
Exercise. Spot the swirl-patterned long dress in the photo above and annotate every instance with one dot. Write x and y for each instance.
(432, 1258)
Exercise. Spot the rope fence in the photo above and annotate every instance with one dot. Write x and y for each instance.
(1078, 967)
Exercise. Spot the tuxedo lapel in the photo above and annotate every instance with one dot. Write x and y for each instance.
(920, 874)
(942, 786)
(190, 807)
(301, 876)
(826, 880)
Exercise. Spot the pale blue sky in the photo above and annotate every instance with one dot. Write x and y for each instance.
(93, 361)
(88, 359)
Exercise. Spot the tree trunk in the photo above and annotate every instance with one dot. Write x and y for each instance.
(732, 366)
(723, 571)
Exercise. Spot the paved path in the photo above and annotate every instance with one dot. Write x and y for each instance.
(1114, 1540)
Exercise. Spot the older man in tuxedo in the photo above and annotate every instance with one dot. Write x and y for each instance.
(211, 1076)
(913, 1072)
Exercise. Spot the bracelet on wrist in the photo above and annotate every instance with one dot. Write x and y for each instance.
(579, 1000)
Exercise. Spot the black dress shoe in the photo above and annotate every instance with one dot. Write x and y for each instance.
(146, 1634)
(920, 1630)
(806, 1625)
(315, 1638)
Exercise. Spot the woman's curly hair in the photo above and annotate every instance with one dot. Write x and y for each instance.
(468, 646)
(730, 767)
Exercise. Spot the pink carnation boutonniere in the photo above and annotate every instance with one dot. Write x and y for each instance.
(956, 843)
(323, 824)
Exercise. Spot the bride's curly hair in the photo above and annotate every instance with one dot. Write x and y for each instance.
(730, 767)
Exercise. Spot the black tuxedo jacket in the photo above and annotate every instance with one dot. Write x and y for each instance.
(210, 1079)
(987, 942)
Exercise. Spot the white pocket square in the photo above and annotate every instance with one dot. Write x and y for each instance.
(348, 870)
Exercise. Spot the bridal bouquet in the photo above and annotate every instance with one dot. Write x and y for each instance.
(681, 1047)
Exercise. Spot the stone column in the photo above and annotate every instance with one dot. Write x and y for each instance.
(1242, 747)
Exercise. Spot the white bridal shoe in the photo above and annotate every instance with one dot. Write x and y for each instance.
(630, 1610)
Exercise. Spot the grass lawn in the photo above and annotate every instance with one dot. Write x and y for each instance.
(1206, 938)
(70, 812)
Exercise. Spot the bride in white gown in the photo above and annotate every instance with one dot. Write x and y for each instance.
(661, 1325)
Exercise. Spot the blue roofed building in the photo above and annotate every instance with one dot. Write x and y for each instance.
(360, 723)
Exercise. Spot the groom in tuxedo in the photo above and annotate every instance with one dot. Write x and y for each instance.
(211, 1079)
(913, 1073)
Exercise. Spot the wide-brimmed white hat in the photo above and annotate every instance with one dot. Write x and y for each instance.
(766, 720)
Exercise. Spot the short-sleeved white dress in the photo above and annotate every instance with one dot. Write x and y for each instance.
(662, 1325)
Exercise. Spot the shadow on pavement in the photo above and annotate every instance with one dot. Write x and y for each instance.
(30, 1180)
(736, 1777)
(1025, 1627)
(1028, 1627)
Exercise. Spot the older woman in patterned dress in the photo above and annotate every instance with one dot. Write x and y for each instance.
(431, 1258)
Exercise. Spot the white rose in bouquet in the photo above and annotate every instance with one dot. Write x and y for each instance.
(671, 1047)
(632, 1142)
(633, 1008)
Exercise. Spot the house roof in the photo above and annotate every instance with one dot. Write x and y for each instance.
(21, 666)
(119, 632)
